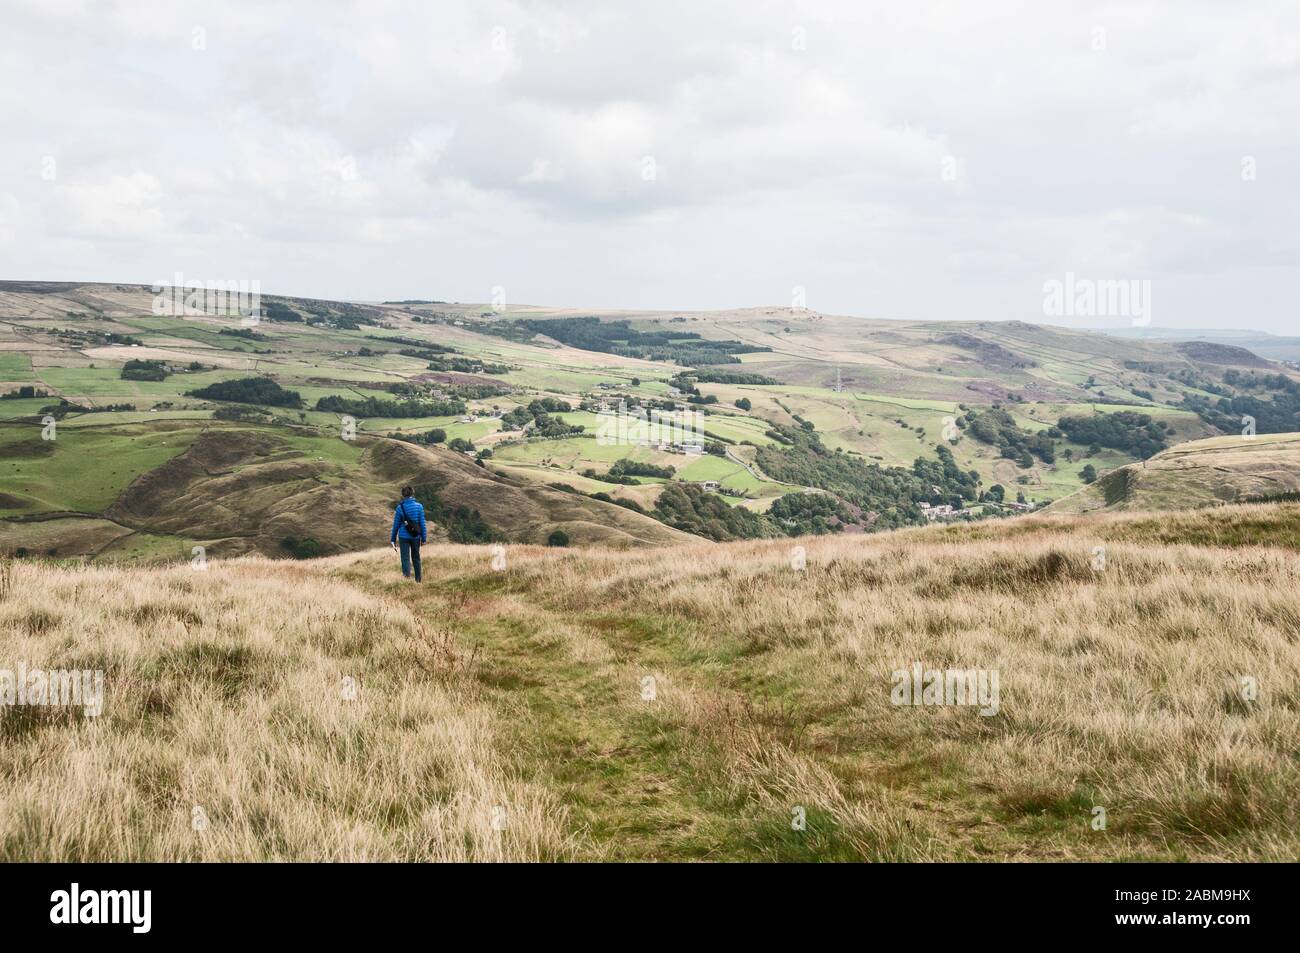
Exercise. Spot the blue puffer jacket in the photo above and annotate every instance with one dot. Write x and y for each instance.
(412, 509)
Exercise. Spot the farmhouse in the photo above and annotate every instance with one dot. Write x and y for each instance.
(936, 512)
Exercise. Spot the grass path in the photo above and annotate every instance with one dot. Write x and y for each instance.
(662, 745)
(651, 760)
(691, 703)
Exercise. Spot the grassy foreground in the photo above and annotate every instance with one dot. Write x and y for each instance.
(678, 703)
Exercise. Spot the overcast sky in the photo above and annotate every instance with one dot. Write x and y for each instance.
(904, 160)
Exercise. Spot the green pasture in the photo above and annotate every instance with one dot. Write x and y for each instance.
(15, 366)
(82, 469)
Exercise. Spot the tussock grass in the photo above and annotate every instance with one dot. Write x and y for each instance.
(223, 693)
(1120, 688)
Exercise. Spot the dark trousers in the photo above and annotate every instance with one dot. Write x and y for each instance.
(410, 549)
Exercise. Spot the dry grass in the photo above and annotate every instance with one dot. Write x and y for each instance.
(1120, 689)
(1195, 474)
(224, 693)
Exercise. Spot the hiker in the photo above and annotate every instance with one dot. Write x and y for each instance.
(409, 530)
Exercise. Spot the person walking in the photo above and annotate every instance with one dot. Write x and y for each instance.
(410, 531)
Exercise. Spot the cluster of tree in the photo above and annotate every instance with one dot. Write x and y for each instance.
(466, 365)
(249, 390)
(63, 408)
(427, 349)
(892, 493)
(1125, 430)
(277, 311)
(624, 470)
(484, 390)
(463, 524)
(944, 480)
(248, 334)
(538, 413)
(732, 377)
(998, 428)
(377, 407)
(804, 514)
(23, 393)
(684, 382)
(744, 403)
(145, 371)
(619, 337)
(540, 407)
(348, 317)
(98, 338)
(1198, 381)
(1280, 413)
(429, 437)
(690, 509)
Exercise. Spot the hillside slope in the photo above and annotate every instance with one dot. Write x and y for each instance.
(1199, 473)
(131, 380)
(672, 703)
(237, 489)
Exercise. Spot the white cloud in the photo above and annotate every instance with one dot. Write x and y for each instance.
(385, 149)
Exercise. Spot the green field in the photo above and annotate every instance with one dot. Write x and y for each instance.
(899, 385)
(82, 469)
(15, 367)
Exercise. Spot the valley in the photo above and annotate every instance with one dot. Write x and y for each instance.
(854, 425)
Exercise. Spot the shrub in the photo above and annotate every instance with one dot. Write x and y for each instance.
(305, 548)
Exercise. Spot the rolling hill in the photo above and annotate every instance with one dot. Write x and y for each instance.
(1199, 473)
(240, 489)
(647, 694)
(873, 416)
